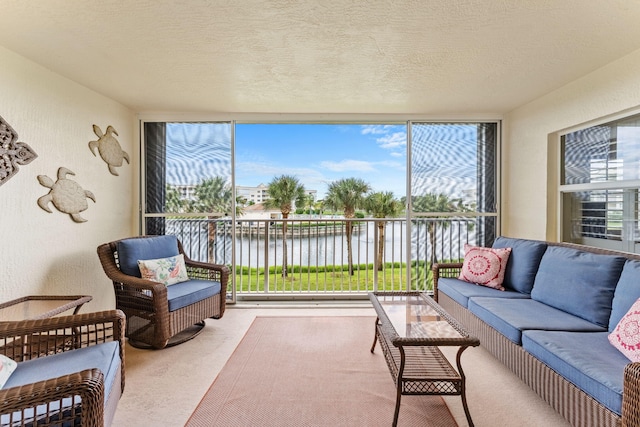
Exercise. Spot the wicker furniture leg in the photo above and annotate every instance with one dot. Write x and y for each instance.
(463, 386)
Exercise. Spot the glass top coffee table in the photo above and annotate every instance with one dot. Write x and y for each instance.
(410, 326)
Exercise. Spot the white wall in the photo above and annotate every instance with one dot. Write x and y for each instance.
(48, 253)
(529, 181)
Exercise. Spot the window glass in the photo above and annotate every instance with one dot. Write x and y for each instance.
(609, 152)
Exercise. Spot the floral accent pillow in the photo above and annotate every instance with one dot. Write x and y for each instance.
(484, 266)
(626, 336)
(168, 271)
(7, 366)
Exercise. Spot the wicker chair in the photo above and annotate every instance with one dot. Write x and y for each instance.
(57, 381)
(154, 319)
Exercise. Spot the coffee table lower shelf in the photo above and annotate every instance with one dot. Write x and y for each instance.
(421, 370)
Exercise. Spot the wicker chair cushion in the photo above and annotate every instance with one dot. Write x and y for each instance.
(105, 356)
(484, 266)
(461, 291)
(523, 262)
(626, 293)
(511, 317)
(585, 359)
(186, 293)
(587, 282)
(132, 250)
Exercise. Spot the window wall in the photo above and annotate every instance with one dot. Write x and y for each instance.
(203, 180)
(599, 185)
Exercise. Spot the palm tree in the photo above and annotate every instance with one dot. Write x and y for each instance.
(212, 195)
(173, 201)
(347, 194)
(284, 192)
(382, 205)
(431, 202)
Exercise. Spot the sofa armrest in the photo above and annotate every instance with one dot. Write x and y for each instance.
(444, 269)
(631, 395)
(18, 403)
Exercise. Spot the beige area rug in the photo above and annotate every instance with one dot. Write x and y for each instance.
(311, 371)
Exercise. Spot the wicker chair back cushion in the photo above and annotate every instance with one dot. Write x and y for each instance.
(587, 282)
(132, 250)
(105, 356)
(523, 262)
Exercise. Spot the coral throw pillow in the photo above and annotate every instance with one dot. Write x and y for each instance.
(626, 336)
(484, 266)
(164, 270)
(7, 366)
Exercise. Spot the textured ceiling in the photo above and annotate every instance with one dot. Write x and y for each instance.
(323, 56)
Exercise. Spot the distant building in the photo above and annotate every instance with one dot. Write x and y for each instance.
(256, 195)
(253, 194)
(261, 193)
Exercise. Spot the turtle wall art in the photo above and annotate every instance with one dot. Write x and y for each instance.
(12, 152)
(109, 148)
(66, 195)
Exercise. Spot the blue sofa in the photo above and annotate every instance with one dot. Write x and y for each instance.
(550, 325)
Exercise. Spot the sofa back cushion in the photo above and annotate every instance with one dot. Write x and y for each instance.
(523, 262)
(627, 292)
(153, 247)
(578, 282)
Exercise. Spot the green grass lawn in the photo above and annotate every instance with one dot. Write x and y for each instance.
(333, 279)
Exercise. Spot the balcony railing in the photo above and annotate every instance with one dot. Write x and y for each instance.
(309, 258)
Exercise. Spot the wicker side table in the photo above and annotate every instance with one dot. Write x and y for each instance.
(35, 307)
(41, 306)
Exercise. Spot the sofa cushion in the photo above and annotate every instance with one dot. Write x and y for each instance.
(511, 317)
(460, 291)
(585, 359)
(523, 262)
(105, 356)
(626, 293)
(484, 266)
(153, 247)
(186, 293)
(578, 282)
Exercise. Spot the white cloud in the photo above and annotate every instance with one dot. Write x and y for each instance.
(348, 165)
(394, 140)
(376, 129)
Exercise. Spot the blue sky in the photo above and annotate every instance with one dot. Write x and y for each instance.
(318, 154)
(444, 158)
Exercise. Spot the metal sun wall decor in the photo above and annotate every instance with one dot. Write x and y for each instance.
(66, 195)
(12, 152)
(109, 148)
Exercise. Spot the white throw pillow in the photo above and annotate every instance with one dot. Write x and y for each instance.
(164, 270)
(7, 366)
